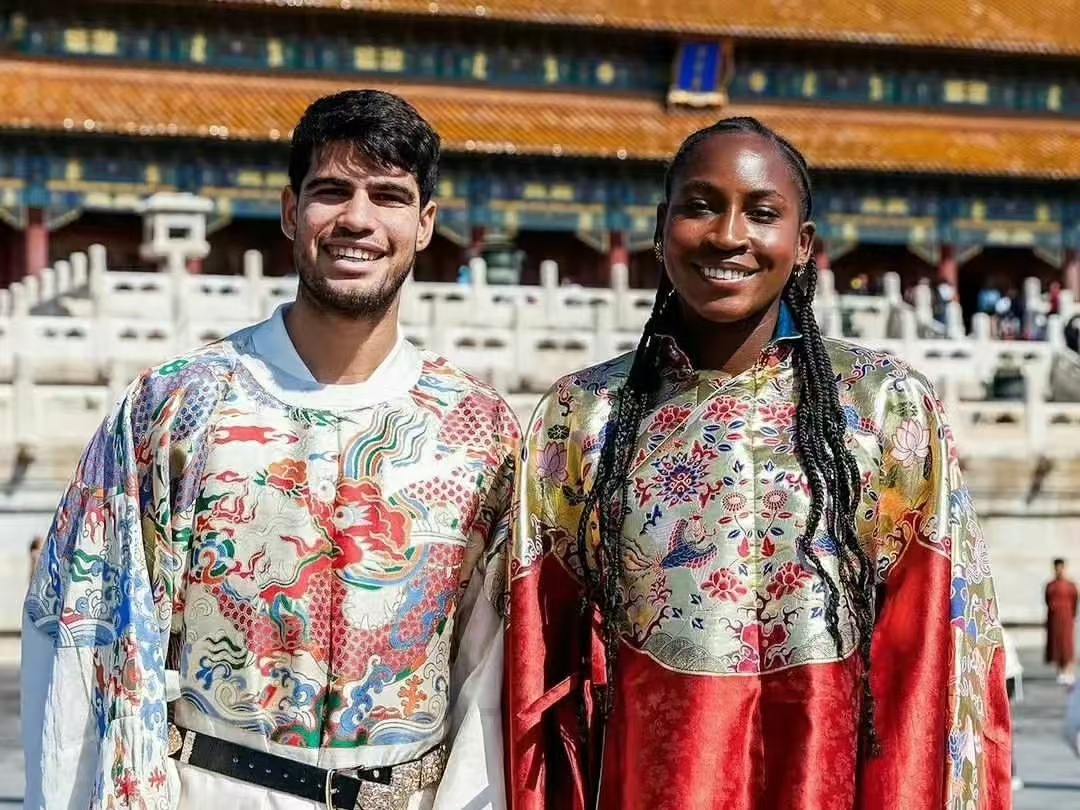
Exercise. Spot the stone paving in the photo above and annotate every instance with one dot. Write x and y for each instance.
(1049, 769)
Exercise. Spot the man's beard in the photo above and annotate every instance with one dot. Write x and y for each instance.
(353, 303)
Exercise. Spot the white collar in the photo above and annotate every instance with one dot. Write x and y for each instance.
(274, 363)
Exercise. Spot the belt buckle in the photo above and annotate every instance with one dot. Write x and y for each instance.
(405, 780)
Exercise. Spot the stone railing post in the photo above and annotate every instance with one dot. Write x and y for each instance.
(981, 328)
(32, 284)
(253, 275)
(620, 286)
(549, 284)
(49, 289)
(827, 304)
(1033, 304)
(63, 277)
(481, 292)
(954, 320)
(924, 303)
(80, 270)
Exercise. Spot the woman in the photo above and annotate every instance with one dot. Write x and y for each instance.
(747, 572)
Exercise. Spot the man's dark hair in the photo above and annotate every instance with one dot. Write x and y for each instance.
(820, 430)
(382, 127)
(1058, 561)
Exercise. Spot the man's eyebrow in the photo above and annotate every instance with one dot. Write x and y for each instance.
(327, 181)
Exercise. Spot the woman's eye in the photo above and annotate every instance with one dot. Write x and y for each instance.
(767, 214)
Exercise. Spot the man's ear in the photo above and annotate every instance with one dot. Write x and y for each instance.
(288, 213)
(426, 228)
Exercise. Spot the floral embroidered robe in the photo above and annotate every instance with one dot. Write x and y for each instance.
(730, 691)
(326, 562)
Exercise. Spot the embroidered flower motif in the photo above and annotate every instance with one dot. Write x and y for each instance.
(734, 502)
(790, 578)
(779, 415)
(724, 409)
(668, 418)
(552, 462)
(288, 476)
(722, 584)
(775, 500)
(911, 443)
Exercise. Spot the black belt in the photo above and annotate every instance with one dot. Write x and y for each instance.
(385, 788)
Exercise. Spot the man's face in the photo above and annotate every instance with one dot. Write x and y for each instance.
(356, 229)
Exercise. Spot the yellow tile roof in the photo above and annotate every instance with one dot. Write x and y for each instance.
(49, 96)
(1035, 26)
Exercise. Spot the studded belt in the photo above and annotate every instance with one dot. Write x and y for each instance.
(385, 788)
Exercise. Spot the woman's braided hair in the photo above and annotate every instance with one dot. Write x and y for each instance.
(820, 427)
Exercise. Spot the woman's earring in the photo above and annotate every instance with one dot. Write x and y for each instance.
(658, 251)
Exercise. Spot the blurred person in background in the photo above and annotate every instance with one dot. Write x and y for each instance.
(1061, 604)
(747, 573)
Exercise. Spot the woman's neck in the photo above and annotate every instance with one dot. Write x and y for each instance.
(728, 347)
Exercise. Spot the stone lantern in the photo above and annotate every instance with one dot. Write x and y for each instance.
(174, 229)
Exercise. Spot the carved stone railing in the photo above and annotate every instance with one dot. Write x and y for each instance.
(521, 338)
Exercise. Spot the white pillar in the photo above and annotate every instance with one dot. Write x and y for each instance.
(891, 288)
(253, 275)
(1033, 303)
(954, 320)
(620, 285)
(80, 269)
(549, 283)
(63, 277)
(33, 290)
(827, 304)
(981, 335)
(5, 303)
(47, 280)
(924, 303)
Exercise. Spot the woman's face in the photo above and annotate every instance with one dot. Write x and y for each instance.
(732, 229)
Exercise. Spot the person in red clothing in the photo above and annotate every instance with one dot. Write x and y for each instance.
(747, 573)
(1061, 601)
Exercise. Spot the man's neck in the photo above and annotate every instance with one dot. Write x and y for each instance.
(337, 349)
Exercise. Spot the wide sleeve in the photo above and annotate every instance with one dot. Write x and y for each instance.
(546, 645)
(475, 771)
(93, 649)
(104, 599)
(937, 668)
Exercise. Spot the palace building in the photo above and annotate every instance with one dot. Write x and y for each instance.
(944, 137)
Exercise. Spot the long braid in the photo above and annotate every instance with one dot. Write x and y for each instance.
(831, 469)
(821, 431)
(608, 495)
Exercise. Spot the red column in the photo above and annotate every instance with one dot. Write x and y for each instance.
(35, 242)
(1070, 272)
(948, 269)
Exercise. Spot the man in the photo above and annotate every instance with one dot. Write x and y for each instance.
(273, 581)
(1061, 601)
